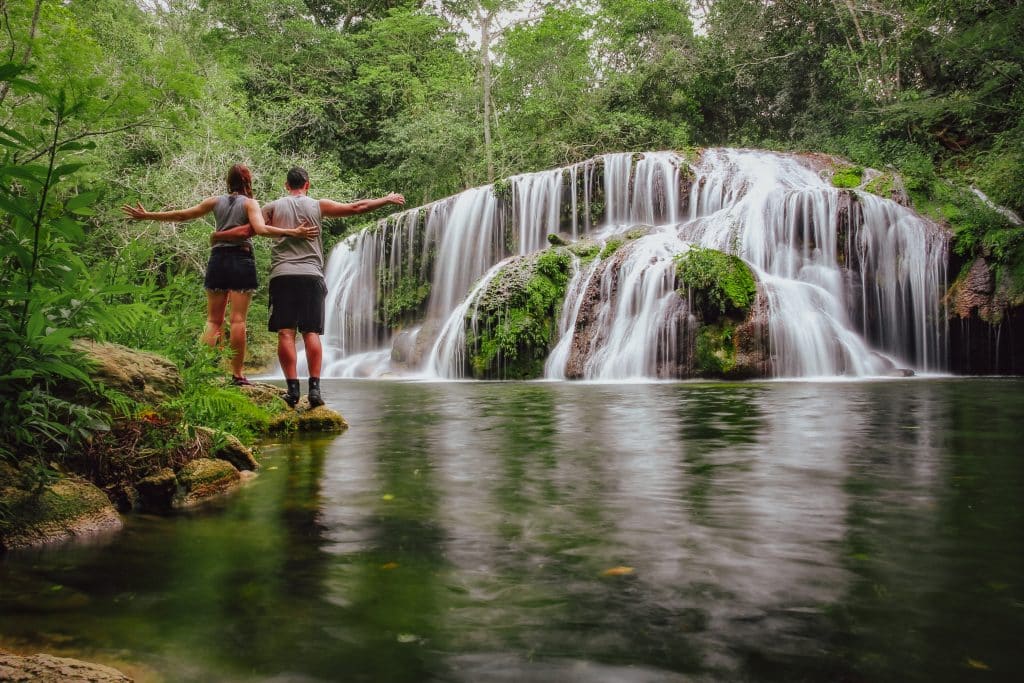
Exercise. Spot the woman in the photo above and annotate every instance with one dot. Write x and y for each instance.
(231, 271)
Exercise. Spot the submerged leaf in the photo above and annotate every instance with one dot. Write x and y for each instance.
(617, 571)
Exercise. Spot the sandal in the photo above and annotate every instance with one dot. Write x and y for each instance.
(241, 382)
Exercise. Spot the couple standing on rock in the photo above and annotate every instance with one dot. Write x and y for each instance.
(297, 288)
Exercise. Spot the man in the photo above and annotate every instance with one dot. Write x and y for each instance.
(297, 288)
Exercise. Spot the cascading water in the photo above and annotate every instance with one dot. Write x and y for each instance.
(850, 283)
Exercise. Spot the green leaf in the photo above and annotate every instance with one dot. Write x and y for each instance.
(74, 145)
(65, 170)
(18, 207)
(80, 200)
(58, 337)
(31, 173)
(70, 229)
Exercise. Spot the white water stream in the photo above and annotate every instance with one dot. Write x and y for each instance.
(852, 288)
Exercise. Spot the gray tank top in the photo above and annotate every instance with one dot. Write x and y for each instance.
(229, 212)
(295, 255)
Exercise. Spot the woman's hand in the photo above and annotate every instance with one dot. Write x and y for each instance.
(136, 213)
(395, 198)
(306, 232)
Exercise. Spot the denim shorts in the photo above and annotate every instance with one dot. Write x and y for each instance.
(231, 269)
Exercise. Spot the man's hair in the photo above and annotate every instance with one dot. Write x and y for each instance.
(297, 177)
(240, 180)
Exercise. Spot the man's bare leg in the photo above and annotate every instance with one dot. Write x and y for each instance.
(286, 356)
(314, 359)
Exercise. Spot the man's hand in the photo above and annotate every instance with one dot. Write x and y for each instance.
(136, 213)
(395, 198)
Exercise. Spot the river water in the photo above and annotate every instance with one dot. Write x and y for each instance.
(777, 531)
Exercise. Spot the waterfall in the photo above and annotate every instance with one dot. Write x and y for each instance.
(850, 283)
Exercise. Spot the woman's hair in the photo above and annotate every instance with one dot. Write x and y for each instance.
(240, 180)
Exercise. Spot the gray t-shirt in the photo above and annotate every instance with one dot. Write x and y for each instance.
(229, 212)
(296, 255)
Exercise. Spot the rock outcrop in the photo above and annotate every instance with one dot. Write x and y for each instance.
(65, 510)
(986, 323)
(43, 668)
(145, 377)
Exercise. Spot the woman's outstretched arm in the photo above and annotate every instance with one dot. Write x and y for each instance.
(260, 227)
(138, 213)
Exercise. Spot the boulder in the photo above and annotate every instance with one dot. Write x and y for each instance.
(145, 377)
(306, 419)
(264, 394)
(224, 446)
(43, 668)
(64, 510)
(156, 492)
(205, 478)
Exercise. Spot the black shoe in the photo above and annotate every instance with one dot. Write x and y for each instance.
(315, 400)
(292, 397)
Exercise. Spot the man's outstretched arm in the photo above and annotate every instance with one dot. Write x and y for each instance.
(334, 209)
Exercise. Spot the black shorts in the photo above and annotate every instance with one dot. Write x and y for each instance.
(231, 269)
(297, 302)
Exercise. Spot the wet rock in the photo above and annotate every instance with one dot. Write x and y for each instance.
(225, 446)
(901, 372)
(64, 510)
(973, 293)
(306, 419)
(205, 478)
(43, 668)
(143, 376)
(156, 492)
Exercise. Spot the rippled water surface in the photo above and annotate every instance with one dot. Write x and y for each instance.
(869, 531)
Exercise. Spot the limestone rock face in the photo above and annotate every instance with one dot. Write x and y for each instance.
(205, 478)
(973, 294)
(42, 668)
(146, 377)
(62, 511)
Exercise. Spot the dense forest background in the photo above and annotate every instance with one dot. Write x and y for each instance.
(105, 102)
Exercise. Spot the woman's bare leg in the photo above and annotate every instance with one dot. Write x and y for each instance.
(216, 302)
(239, 310)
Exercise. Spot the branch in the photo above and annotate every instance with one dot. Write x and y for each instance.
(94, 133)
(28, 48)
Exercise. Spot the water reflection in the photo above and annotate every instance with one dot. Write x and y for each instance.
(463, 532)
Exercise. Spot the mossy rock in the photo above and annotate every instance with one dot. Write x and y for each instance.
(265, 395)
(44, 668)
(513, 324)
(156, 492)
(585, 250)
(64, 510)
(306, 419)
(145, 377)
(205, 478)
(848, 177)
(718, 283)
(224, 446)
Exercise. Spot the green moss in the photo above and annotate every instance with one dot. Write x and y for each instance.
(718, 282)
(882, 185)
(848, 177)
(637, 233)
(585, 250)
(556, 240)
(402, 302)
(610, 247)
(517, 317)
(205, 471)
(502, 189)
(716, 349)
